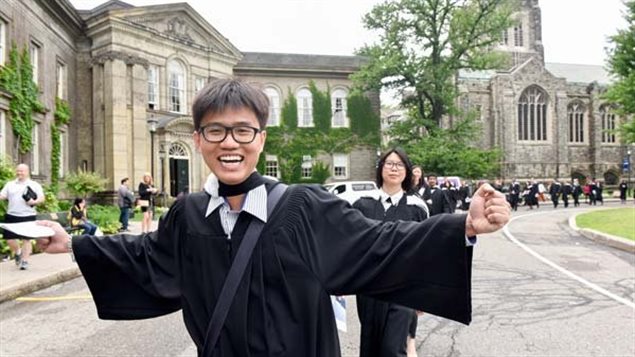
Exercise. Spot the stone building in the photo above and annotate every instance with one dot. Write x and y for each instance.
(548, 118)
(130, 75)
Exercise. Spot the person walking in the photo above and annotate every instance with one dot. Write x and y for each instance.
(623, 188)
(567, 190)
(577, 191)
(554, 192)
(435, 198)
(146, 202)
(23, 195)
(253, 263)
(125, 200)
(389, 329)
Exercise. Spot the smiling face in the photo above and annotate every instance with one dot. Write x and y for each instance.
(230, 161)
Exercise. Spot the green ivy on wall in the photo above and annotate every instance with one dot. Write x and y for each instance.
(16, 77)
(322, 112)
(62, 117)
(364, 122)
(290, 143)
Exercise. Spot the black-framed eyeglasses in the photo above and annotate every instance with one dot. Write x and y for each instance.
(216, 133)
(394, 165)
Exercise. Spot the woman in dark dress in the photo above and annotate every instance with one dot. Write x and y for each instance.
(387, 328)
(146, 202)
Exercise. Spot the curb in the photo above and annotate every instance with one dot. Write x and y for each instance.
(27, 287)
(620, 243)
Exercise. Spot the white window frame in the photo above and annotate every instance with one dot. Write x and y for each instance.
(34, 54)
(576, 121)
(3, 41)
(341, 166)
(60, 78)
(532, 115)
(274, 106)
(176, 87)
(307, 167)
(63, 145)
(340, 108)
(305, 108)
(518, 35)
(153, 87)
(272, 166)
(199, 83)
(609, 123)
(35, 149)
(3, 136)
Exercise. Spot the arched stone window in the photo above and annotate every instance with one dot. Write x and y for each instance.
(274, 106)
(339, 106)
(607, 116)
(532, 115)
(176, 87)
(305, 108)
(575, 112)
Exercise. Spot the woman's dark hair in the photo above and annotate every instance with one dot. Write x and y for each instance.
(420, 182)
(77, 201)
(406, 185)
(230, 93)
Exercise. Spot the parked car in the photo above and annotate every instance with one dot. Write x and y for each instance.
(351, 191)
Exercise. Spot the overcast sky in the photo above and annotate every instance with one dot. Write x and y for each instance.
(574, 31)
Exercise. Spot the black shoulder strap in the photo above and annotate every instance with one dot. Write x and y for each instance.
(236, 272)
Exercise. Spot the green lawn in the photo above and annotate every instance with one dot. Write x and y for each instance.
(618, 222)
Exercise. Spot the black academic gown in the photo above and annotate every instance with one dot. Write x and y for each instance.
(314, 245)
(384, 325)
(437, 201)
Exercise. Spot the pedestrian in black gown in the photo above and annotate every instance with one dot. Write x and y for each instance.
(386, 328)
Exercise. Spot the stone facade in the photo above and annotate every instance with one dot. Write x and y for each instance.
(569, 148)
(116, 57)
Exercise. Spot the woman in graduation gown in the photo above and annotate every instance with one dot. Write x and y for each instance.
(313, 245)
(387, 329)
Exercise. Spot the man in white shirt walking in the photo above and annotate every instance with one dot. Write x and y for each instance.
(23, 195)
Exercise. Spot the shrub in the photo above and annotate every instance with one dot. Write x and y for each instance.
(83, 183)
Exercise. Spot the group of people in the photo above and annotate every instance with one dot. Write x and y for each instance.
(24, 194)
(534, 192)
(146, 202)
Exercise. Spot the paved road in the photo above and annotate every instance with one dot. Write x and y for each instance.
(580, 305)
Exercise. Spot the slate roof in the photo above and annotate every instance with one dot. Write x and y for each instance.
(291, 61)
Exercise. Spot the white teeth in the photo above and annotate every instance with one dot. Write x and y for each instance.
(231, 158)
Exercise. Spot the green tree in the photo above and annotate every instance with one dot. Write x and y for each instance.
(621, 64)
(424, 43)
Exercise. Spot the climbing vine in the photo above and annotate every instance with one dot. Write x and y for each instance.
(290, 143)
(62, 117)
(16, 77)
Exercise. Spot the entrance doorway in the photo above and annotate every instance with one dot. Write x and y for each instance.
(179, 170)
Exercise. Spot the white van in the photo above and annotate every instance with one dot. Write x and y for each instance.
(351, 191)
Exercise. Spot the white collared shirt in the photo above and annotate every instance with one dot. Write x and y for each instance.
(255, 203)
(394, 199)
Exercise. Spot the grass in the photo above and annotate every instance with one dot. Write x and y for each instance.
(618, 222)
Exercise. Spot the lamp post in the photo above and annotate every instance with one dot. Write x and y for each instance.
(152, 126)
(162, 163)
(630, 169)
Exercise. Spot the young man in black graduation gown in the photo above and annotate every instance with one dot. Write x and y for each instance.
(313, 245)
(435, 198)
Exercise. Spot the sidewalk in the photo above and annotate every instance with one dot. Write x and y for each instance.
(44, 270)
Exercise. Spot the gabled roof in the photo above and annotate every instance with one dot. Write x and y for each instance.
(182, 14)
(292, 61)
(579, 73)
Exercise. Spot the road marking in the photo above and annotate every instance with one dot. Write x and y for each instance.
(559, 268)
(55, 298)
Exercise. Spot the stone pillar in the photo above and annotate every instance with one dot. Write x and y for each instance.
(116, 128)
(561, 135)
(98, 120)
(508, 118)
(140, 155)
